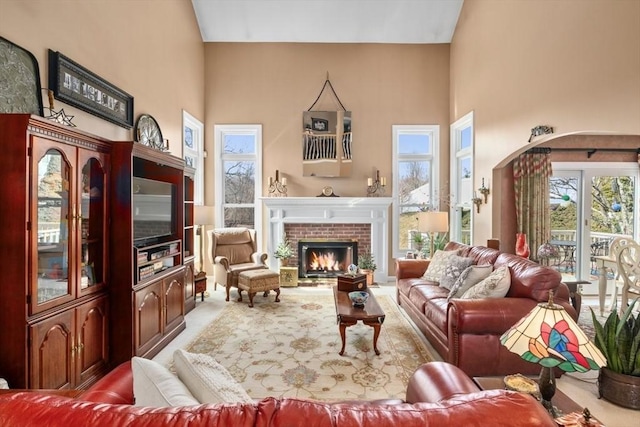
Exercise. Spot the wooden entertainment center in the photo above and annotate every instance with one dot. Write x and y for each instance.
(82, 292)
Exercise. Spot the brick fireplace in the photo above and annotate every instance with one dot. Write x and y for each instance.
(361, 219)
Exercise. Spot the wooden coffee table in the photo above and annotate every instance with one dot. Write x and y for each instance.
(348, 315)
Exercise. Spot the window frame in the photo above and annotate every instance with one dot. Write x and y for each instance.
(220, 131)
(433, 158)
(196, 153)
(456, 204)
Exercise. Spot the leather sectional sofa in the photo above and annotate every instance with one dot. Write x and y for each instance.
(438, 394)
(466, 332)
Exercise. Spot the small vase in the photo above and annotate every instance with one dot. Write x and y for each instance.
(522, 247)
(284, 262)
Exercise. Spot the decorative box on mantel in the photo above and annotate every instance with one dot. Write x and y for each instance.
(349, 282)
(332, 210)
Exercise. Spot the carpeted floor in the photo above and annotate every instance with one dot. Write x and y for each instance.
(585, 321)
(291, 349)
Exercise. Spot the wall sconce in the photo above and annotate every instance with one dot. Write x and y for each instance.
(277, 187)
(375, 188)
(476, 201)
(484, 191)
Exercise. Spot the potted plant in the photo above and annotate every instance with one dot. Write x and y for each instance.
(619, 341)
(418, 240)
(283, 251)
(367, 265)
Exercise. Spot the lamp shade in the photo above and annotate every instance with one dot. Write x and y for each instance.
(202, 215)
(550, 337)
(433, 222)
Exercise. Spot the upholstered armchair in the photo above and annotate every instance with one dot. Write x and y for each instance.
(231, 251)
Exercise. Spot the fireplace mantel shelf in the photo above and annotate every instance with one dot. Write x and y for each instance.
(327, 201)
(332, 210)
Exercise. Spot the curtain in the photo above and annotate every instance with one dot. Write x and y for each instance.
(531, 173)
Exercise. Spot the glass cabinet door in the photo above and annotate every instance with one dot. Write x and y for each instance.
(52, 221)
(92, 224)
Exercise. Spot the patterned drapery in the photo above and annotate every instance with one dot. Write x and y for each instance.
(531, 173)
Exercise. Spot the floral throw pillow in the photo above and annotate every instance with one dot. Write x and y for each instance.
(453, 270)
(495, 286)
(471, 276)
(438, 263)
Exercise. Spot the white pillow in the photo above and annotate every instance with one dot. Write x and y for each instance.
(471, 276)
(155, 385)
(456, 266)
(208, 380)
(437, 265)
(495, 286)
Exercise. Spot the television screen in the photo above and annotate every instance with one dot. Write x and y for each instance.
(153, 209)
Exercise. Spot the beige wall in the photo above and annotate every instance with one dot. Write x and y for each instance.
(274, 83)
(572, 65)
(151, 49)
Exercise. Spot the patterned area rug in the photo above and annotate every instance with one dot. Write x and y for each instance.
(290, 349)
(585, 321)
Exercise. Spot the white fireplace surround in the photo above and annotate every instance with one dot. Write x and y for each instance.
(332, 210)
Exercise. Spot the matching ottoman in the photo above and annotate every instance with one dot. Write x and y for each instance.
(254, 281)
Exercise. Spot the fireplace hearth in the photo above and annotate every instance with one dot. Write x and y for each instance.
(322, 258)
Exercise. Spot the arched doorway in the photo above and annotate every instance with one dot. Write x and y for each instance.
(582, 148)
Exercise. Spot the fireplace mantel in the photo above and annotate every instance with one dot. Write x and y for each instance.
(332, 210)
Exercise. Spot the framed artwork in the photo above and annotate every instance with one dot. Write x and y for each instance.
(77, 86)
(319, 125)
(21, 91)
(193, 152)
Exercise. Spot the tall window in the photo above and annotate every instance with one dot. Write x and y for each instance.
(238, 151)
(415, 183)
(461, 173)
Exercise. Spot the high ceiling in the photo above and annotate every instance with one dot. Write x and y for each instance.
(327, 21)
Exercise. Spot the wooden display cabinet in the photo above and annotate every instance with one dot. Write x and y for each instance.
(189, 239)
(74, 339)
(147, 310)
(55, 251)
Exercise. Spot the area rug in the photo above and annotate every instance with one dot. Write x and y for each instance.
(585, 321)
(290, 349)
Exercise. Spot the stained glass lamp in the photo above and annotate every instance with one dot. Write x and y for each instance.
(550, 337)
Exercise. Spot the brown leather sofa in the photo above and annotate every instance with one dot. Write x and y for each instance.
(466, 332)
(438, 394)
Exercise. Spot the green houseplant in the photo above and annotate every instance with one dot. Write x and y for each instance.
(367, 265)
(619, 341)
(283, 251)
(418, 240)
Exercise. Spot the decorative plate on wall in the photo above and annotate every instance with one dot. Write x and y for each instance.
(147, 132)
(20, 75)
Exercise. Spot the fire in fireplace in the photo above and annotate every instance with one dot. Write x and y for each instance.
(322, 258)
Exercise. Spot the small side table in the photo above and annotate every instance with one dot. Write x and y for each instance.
(288, 276)
(560, 400)
(201, 285)
(574, 292)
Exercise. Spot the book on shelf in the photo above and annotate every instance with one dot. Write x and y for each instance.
(143, 256)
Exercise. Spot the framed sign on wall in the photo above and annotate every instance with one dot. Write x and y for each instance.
(77, 86)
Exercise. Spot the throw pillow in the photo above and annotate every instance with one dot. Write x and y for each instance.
(438, 263)
(495, 286)
(469, 277)
(155, 385)
(453, 270)
(208, 380)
